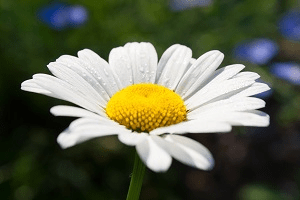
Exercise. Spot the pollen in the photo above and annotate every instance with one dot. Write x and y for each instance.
(146, 106)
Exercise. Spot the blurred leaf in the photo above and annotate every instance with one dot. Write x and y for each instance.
(258, 191)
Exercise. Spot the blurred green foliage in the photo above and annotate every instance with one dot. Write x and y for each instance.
(32, 165)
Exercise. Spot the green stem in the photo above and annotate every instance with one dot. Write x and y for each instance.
(136, 179)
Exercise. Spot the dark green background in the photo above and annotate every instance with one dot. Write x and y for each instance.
(251, 163)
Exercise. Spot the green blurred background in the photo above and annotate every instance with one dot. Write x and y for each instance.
(251, 163)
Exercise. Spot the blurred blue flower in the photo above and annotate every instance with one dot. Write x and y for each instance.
(178, 5)
(258, 51)
(54, 15)
(289, 25)
(287, 71)
(78, 15)
(60, 16)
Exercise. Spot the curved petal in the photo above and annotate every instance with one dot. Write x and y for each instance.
(77, 81)
(190, 152)
(247, 118)
(191, 62)
(221, 75)
(101, 70)
(31, 86)
(84, 122)
(250, 90)
(84, 129)
(247, 75)
(231, 104)
(119, 61)
(164, 59)
(173, 65)
(143, 61)
(71, 111)
(204, 66)
(133, 138)
(65, 91)
(193, 126)
(86, 71)
(209, 92)
(254, 89)
(152, 152)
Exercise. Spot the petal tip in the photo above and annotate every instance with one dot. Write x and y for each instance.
(211, 164)
(65, 140)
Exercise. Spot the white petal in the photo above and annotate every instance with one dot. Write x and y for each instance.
(66, 92)
(83, 123)
(220, 76)
(193, 126)
(77, 81)
(164, 59)
(210, 92)
(133, 138)
(152, 152)
(119, 61)
(68, 139)
(86, 71)
(199, 72)
(190, 152)
(31, 86)
(143, 59)
(223, 74)
(192, 61)
(231, 104)
(250, 90)
(84, 129)
(247, 75)
(247, 118)
(173, 66)
(101, 69)
(71, 111)
(254, 89)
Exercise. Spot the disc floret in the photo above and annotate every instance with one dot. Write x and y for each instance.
(145, 106)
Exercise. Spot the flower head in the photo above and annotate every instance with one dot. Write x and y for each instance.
(150, 104)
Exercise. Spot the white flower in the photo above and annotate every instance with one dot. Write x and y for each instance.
(149, 104)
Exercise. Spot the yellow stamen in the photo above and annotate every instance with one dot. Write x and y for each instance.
(145, 106)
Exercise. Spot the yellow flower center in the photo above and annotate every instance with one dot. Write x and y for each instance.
(145, 106)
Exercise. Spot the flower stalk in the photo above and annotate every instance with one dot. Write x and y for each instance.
(136, 179)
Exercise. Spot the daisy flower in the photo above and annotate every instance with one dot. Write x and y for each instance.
(150, 104)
